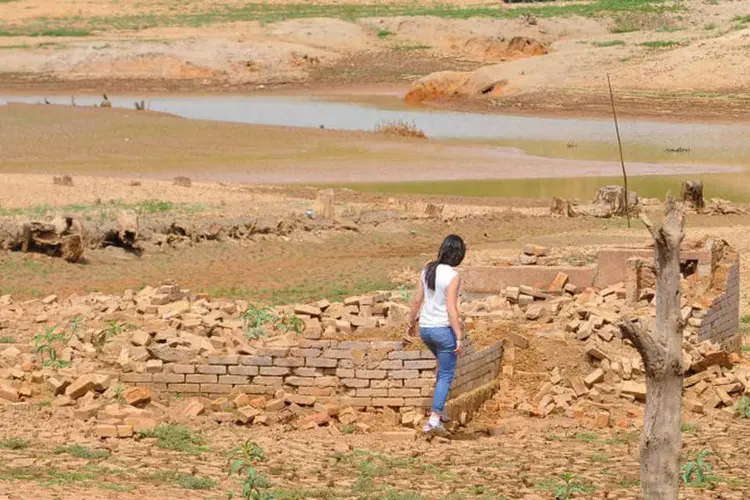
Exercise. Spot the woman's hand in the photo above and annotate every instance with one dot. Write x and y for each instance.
(459, 347)
(409, 335)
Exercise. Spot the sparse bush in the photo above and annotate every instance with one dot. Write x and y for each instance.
(14, 444)
(175, 437)
(401, 128)
(80, 451)
(743, 407)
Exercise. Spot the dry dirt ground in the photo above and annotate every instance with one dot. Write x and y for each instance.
(661, 55)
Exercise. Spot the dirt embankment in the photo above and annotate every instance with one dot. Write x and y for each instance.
(694, 51)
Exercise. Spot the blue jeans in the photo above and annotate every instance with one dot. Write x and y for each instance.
(442, 343)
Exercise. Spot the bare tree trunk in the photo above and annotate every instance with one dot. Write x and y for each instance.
(661, 351)
(692, 194)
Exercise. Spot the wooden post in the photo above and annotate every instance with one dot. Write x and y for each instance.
(661, 351)
(619, 144)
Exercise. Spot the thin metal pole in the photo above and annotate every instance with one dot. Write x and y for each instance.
(619, 144)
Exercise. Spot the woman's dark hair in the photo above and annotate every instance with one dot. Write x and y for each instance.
(451, 253)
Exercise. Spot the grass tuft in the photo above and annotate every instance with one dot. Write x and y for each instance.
(195, 482)
(175, 437)
(400, 128)
(661, 44)
(608, 43)
(80, 451)
(14, 444)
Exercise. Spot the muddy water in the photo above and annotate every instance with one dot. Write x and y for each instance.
(571, 139)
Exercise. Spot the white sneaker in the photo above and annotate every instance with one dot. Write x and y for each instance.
(434, 429)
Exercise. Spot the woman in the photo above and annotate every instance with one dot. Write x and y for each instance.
(436, 305)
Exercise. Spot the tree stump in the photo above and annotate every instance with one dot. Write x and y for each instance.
(692, 194)
(661, 350)
(324, 204)
(63, 237)
(562, 207)
(610, 201)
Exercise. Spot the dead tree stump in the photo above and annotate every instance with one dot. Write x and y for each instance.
(661, 350)
(610, 201)
(692, 194)
(63, 237)
(562, 207)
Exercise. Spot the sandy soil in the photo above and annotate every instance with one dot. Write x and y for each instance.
(699, 54)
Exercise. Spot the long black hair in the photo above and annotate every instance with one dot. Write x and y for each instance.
(451, 253)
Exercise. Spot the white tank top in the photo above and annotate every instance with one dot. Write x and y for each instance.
(434, 312)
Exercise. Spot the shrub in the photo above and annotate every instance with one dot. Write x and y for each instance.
(401, 128)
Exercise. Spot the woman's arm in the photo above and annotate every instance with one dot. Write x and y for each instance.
(416, 305)
(452, 306)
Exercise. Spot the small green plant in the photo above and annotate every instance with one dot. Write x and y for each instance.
(348, 429)
(14, 444)
(45, 347)
(190, 482)
(115, 328)
(710, 26)
(586, 437)
(80, 451)
(743, 408)
(7, 340)
(698, 472)
(290, 323)
(406, 294)
(175, 437)
(254, 484)
(660, 44)
(155, 206)
(384, 33)
(746, 319)
(608, 43)
(690, 428)
(255, 319)
(570, 486)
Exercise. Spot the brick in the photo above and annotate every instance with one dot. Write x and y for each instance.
(388, 401)
(275, 352)
(326, 381)
(371, 374)
(420, 383)
(267, 380)
(315, 391)
(594, 377)
(229, 359)
(421, 364)
(212, 369)
(248, 371)
(256, 360)
(633, 388)
(169, 378)
(338, 354)
(302, 400)
(307, 372)
(201, 379)
(404, 355)
(136, 378)
(355, 345)
(404, 393)
(300, 381)
(322, 362)
(105, 431)
(181, 368)
(255, 389)
(372, 393)
(306, 353)
(356, 402)
(216, 388)
(403, 374)
(233, 379)
(289, 362)
(355, 382)
(274, 371)
(394, 364)
(418, 402)
(191, 388)
(345, 372)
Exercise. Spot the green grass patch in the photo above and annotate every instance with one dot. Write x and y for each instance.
(14, 444)
(608, 43)
(690, 428)
(306, 493)
(742, 19)
(661, 44)
(710, 26)
(600, 457)
(190, 482)
(585, 437)
(7, 340)
(177, 438)
(302, 292)
(80, 451)
(669, 28)
(269, 13)
(746, 319)
(57, 32)
(409, 48)
(383, 33)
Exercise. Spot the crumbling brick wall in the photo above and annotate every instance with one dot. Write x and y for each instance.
(721, 322)
(360, 374)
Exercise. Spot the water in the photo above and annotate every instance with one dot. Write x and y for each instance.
(313, 112)
(569, 138)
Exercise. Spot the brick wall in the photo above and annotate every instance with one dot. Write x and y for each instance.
(721, 323)
(351, 373)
